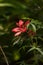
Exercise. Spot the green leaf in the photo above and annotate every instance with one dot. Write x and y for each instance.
(5, 4)
(39, 50)
(34, 27)
(31, 49)
(17, 40)
(35, 22)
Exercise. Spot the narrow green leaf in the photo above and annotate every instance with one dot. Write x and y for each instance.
(17, 41)
(34, 27)
(31, 49)
(5, 4)
(39, 50)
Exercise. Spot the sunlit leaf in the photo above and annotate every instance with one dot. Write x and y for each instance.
(5, 4)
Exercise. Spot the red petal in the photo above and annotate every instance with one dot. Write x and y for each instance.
(20, 23)
(17, 23)
(23, 29)
(27, 22)
(15, 29)
(17, 34)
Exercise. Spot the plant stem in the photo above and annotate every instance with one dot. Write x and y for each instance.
(4, 55)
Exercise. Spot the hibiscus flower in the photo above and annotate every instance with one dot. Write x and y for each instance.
(21, 27)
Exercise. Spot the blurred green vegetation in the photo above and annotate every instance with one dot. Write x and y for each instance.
(16, 48)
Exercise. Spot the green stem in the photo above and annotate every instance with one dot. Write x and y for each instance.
(4, 55)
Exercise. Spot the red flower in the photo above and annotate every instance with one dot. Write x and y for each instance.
(31, 33)
(21, 27)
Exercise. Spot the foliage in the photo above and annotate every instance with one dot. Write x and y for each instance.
(23, 49)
